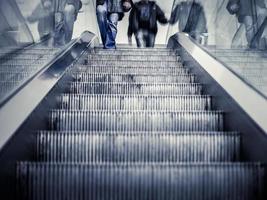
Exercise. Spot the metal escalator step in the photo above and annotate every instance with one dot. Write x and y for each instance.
(138, 146)
(188, 181)
(22, 57)
(133, 62)
(144, 78)
(136, 88)
(133, 57)
(12, 65)
(160, 52)
(19, 68)
(25, 61)
(124, 69)
(6, 87)
(77, 120)
(134, 102)
(14, 76)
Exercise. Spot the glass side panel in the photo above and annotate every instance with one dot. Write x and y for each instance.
(14, 32)
(232, 31)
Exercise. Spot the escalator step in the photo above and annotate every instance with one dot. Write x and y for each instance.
(14, 76)
(6, 87)
(126, 147)
(132, 51)
(135, 70)
(134, 63)
(134, 102)
(19, 68)
(63, 120)
(188, 181)
(22, 56)
(25, 61)
(144, 78)
(133, 57)
(137, 88)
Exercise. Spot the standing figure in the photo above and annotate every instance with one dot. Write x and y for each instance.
(65, 14)
(109, 12)
(43, 14)
(143, 22)
(252, 14)
(192, 19)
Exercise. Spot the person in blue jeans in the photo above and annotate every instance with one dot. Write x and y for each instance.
(109, 12)
(65, 14)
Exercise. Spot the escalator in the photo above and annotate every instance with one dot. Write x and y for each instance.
(80, 122)
(131, 124)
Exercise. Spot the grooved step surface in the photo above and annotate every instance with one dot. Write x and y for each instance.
(133, 57)
(20, 69)
(125, 69)
(136, 88)
(140, 182)
(62, 120)
(23, 57)
(133, 63)
(132, 51)
(24, 61)
(138, 146)
(14, 76)
(144, 78)
(134, 102)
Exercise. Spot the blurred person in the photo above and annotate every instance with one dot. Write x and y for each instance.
(66, 12)
(192, 19)
(44, 16)
(109, 13)
(143, 22)
(56, 19)
(252, 14)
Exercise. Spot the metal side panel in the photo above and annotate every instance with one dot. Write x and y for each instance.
(244, 108)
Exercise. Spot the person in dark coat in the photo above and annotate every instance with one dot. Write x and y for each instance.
(192, 19)
(252, 14)
(143, 22)
(109, 12)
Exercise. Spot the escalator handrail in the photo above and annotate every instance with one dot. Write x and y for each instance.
(249, 99)
(18, 108)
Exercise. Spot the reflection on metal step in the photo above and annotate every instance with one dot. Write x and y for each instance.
(134, 102)
(136, 88)
(134, 63)
(140, 181)
(138, 147)
(133, 57)
(63, 120)
(144, 78)
(124, 69)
